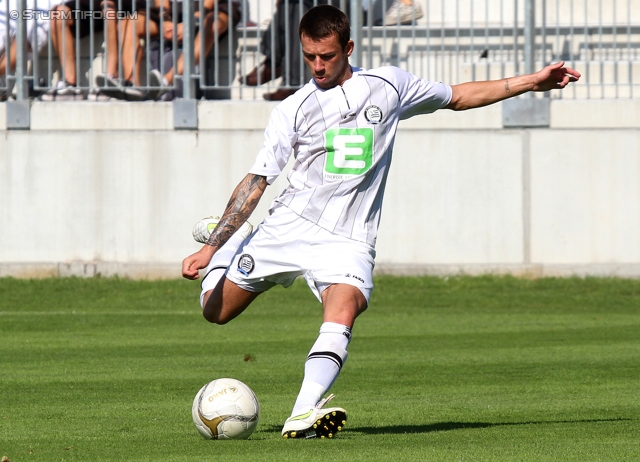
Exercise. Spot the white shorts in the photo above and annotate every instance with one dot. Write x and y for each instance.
(286, 246)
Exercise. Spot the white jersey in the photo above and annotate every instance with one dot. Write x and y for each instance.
(342, 139)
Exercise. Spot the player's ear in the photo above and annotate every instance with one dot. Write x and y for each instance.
(349, 48)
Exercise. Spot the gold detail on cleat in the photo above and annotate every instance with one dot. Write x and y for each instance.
(293, 434)
(285, 436)
(344, 422)
(339, 428)
(330, 435)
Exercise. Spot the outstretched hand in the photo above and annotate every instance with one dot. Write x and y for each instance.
(554, 77)
(195, 262)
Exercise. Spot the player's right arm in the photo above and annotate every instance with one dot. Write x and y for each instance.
(241, 205)
(478, 94)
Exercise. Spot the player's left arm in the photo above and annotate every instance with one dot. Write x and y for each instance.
(477, 94)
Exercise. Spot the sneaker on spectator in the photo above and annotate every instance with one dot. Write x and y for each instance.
(402, 13)
(4, 94)
(114, 88)
(106, 80)
(133, 93)
(96, 94)
(118, 89)
(63, 91)
(155, 82)
(109, 86)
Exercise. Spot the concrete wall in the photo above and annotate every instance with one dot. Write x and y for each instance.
(111, 188)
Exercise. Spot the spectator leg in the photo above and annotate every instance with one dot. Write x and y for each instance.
(131, 50)
(212, 30)
(111, 42)
(13, 60)
(64, 43)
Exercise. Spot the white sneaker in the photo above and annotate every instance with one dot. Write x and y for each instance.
(63, 92)
(96, 95)
(121, 89)
(203, 229)
(106, 80)
(316, 422)
(402, 13)
(156, 81)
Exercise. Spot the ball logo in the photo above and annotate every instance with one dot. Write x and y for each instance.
(245, 264)
(214, 396)
(373, 114)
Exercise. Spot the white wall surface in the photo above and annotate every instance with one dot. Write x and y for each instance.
(112, 188)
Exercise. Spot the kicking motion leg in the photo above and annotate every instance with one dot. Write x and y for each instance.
(221, 299)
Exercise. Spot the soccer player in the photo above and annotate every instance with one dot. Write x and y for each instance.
(340, 127)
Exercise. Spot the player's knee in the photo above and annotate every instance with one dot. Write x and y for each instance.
(214, 315)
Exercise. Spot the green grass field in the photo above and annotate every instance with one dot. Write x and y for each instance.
(478, 369)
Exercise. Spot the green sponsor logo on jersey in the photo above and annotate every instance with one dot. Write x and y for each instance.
(349, 151)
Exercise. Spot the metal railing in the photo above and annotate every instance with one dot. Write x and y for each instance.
(488, 39)
(451, 41)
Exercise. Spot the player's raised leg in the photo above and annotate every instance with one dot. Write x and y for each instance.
(342, 303)
(228, 300)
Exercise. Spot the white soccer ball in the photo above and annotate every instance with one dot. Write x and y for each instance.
(226, 409)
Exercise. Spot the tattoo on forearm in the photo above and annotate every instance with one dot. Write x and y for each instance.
(242, 203)
(506, 86)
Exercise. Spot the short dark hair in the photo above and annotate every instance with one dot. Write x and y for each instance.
(323, 21)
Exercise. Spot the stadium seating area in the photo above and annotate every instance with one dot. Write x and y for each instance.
(451, 46)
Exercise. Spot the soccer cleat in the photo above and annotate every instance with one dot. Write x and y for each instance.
(203, 229)
(316, 422)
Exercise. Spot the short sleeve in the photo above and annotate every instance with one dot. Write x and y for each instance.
(419, 96)
(279, 139)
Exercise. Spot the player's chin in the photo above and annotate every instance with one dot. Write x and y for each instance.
(322, 82)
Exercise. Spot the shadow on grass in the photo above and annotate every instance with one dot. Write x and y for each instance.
(449, 426)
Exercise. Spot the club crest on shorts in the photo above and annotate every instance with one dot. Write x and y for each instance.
(373, 114)
(246, 264)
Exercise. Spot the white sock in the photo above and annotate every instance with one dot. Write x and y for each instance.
(325, 360)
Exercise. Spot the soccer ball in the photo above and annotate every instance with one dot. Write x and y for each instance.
(226, 409)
